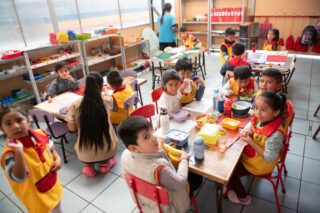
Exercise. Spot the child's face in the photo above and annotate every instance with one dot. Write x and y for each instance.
(15, 125)
(147, 142)
(242, 83)
(230, 38)
(185, 74)
(270, 35)
(171, 87)
(263, 111)
(268, 83)
(63, 72)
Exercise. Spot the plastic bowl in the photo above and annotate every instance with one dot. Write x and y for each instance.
(241, 108)
(202, 119)
(180, 115)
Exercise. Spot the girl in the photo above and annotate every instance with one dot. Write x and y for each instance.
(264, 136)
(189, 40)
(169, 99)
(30, 163)
(167, 28)
(272, 40)
(97, 142)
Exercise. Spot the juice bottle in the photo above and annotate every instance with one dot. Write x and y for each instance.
(223, 140)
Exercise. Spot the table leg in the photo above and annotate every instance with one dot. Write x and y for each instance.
(219, 197)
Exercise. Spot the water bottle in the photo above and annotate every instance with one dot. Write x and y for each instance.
(198, 148)
(188, 88)
(215, 99)
(164, 121)
(223, 140)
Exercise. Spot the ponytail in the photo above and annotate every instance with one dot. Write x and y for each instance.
(93, 118)
(167, 7)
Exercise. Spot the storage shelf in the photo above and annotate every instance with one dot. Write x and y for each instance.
(4, 61)
(135, 44)
(49, 45)
(226, 23)
(138, 63)
(96, 60)
(24, 99)
(195, 22)
(198, 33)
(11, 75)
(46, 78)
(61, 58)
(101, 37)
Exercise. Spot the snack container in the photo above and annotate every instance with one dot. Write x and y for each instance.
(181, 138)
(180, 115)
(210, 133)
(230, 123)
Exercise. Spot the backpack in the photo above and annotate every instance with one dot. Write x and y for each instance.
(290, 43)
(309, 35)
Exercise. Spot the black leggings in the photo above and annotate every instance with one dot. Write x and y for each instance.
(195, 182)
(163, 45)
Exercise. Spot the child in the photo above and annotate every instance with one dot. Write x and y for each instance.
(169, 99)
(184, 69)
(97, 142)
(144, 159)
(264, 135)
(242, 83)
(30, 163)
(272, 40)
(120, 94)
(236, 60)
(225, 49)
(63, 83)
(189, 40)
(270, 80)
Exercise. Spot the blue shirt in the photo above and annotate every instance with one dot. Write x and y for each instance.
(166, 33)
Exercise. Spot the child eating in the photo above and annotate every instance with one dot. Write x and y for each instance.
(272, 40)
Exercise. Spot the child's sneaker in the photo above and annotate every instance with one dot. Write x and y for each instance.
(89, 171)
(106, 167)
(234, 198)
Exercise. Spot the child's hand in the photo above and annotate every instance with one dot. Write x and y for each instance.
(70, 78)
(229, 93)
(57, 164)
(16, 145)
(50, 99)
(245, 132)
(247, 138)
(184, 155)
(199, 81)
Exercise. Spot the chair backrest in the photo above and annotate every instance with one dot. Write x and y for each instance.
(292, 68)
(146, 111)
(130, 102)
(128, 73)
(134, 85)
(155, 95)
(38, 115)
(150, 191)
(81, 81)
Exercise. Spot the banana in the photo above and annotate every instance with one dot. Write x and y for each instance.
(171, 150)
(175, 160)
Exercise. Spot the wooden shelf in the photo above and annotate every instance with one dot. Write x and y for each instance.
(4, 61)
(135, 44)
(195, 22)
(11, 75)
(61, 58)
(199, 33)
(24, 99)
(96, 60)
(101, 37)
(221, 23)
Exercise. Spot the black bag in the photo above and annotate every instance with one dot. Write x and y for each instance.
(309, 35)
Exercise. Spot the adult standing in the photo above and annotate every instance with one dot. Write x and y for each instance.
(167, 28)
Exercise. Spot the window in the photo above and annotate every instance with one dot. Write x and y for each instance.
(95, 14)
(157, 5)
(66, 12)
(11, 37)
(35, 20)
(134, 13)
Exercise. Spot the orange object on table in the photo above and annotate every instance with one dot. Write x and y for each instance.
(230, 123)
(79, 91)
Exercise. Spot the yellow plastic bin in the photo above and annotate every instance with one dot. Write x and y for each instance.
(209, 133)
(230, 123)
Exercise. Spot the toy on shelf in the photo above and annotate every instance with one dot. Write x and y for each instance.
(83, 36)
(11, 54)
(96, 51)
(111, 30)
(72, 35)
(53, 39)
(63, 37)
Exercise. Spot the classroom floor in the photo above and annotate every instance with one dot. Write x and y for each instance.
(109, 193)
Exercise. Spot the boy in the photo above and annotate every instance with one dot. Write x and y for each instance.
(242, 84)
(189, 40)
(144, 159)
(184, 69)
(270, 80)
(237, 51)
(225, 49)
(63, 83)
(120, 93)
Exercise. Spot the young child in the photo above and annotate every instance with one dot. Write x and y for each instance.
(236, 60)
(120, 94)
(189, 40)
(264, 135)
(97, 142)
(184, 69)
(171, 95)
(225, 49)
(270, 80)
(30, 163)
(63, 83)
(242, 83)
(272, 40)
(144, 159)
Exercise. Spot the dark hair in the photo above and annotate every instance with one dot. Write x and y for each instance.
(61, 65)
(238, 49)
(183, 29)
(276, 33)
(169, 75)
(276, 100)
(242, 72)
(93, 117)
(273, 73)
(11, 108)
(167, 7)
(114, 79)
(130, 127)
(184, 64)
(229, 31)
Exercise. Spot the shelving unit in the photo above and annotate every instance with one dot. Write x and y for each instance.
(137, 58)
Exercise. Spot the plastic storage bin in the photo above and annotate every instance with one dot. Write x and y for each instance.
(179, 137)
(209, 133)
(230, 123)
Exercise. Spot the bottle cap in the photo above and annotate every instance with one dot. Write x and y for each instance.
(222, 132)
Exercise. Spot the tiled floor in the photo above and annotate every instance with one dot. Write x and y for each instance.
(108, 193)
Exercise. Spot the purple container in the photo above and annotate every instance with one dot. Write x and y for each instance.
(180, 115)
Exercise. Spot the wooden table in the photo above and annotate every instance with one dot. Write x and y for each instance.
(263, 59)
(216, 166)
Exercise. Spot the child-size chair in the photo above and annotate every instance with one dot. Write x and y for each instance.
(131, 73)
(155, 95)
(287, 75)
(143, 190)
(57, 130)
(157, 68)
(130, 102)
(146, 111)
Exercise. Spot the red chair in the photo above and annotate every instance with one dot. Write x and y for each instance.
(155, 95)
(141, 188)
(146, 111)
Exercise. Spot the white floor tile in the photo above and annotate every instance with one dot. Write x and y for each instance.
(297, 144)
(294, 165)
(91, 209)
(1, 196)
(70, 170)
(70, 202)
(17, 202)
(309, 198)
(262, 206)
(312, 148)
(311, 171)
(4, 186)
(8, 207)
(300, 127)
